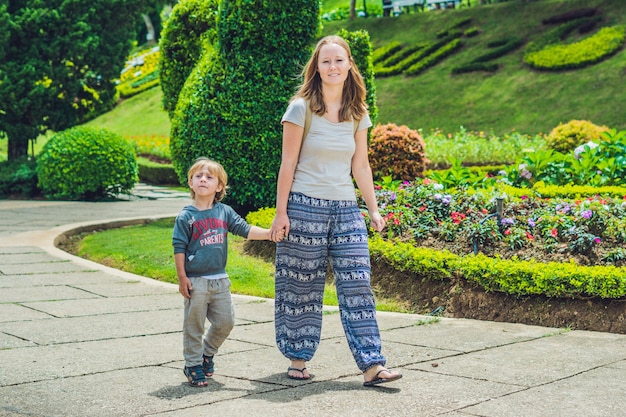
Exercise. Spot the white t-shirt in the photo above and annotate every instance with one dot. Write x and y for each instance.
(325, 164)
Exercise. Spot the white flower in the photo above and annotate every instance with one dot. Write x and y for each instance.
(580, 149)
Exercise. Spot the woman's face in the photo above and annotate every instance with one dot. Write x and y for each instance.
(333, 64)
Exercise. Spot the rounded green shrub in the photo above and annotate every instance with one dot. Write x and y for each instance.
(397, 151)
(84, 163)
(567, 136)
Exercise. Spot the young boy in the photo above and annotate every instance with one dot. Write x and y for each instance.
(200, 250)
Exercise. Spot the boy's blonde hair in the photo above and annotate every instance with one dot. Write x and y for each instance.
(216, 169)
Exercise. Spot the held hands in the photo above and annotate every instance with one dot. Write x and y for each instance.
(280, 228)
(377, 221)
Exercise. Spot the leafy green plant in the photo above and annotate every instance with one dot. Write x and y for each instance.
(18, 178)
(85, 163)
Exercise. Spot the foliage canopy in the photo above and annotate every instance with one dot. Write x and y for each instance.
(59, 62)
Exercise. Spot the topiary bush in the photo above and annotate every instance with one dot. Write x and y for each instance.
(361, 49)
(85, 163)
(230, 107)
(189, 32)
(397, 151)
(567, 136)
(606, 42)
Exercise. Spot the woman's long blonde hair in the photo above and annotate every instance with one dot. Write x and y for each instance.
(353, 96)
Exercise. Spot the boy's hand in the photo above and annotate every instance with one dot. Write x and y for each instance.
(184, 287)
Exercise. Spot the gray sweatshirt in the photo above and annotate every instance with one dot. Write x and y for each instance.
(202, 236)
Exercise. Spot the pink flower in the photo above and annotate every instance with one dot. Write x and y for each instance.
(554, 232)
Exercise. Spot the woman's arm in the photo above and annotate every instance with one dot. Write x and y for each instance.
(292, 141)
(362, 173)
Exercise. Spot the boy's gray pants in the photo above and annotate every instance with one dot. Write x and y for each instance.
(210, 300)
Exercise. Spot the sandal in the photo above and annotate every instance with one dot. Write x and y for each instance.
(195, 376)
(378, 380)
(208, 366)
(298, 378)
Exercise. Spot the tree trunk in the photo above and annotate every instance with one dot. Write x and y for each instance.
(352, 9)
(16, 148)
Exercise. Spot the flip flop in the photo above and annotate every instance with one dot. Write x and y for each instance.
(377, 380)
(299, 378)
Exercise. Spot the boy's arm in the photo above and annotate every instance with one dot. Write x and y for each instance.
(259, 233)
(184, 283)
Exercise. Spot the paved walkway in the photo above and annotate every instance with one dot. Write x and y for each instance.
(80, 339)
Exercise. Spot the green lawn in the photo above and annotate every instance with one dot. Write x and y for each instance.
(124, 249)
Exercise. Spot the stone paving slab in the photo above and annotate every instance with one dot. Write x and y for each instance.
(16, 312)
(100, 327)
(26, 258)
(599, 392)
(461, 334)
(42, 293)
(57, 267)
(90, 307)
(419, 394)
(71, 278)
(537, 361)
(107, 394)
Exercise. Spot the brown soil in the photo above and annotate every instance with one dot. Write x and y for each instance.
(461, 299)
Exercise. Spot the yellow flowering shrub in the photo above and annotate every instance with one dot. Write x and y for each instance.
(567, 136)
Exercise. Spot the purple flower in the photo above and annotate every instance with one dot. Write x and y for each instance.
(531, 223)
(597, 240)
(563, 207)
(507, 221)
(587, 214)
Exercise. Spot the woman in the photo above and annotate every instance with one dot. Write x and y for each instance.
(316, 208)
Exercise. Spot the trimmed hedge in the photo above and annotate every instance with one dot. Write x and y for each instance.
(230, 107)
(155, 173)
(593, 49)
(361, 49)
(434, 58)
(386, 51)
(554, 279)
(188, 34)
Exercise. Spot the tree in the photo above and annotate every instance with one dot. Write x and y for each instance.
(59, 60)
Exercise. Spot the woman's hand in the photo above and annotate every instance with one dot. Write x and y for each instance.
(280, 228)
(377, 221)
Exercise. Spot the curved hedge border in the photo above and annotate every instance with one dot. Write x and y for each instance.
(434, 58)
(514, 277)
(499, 48)
(588, 51)
(384, 52)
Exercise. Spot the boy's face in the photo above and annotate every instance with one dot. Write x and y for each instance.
(205, 184)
